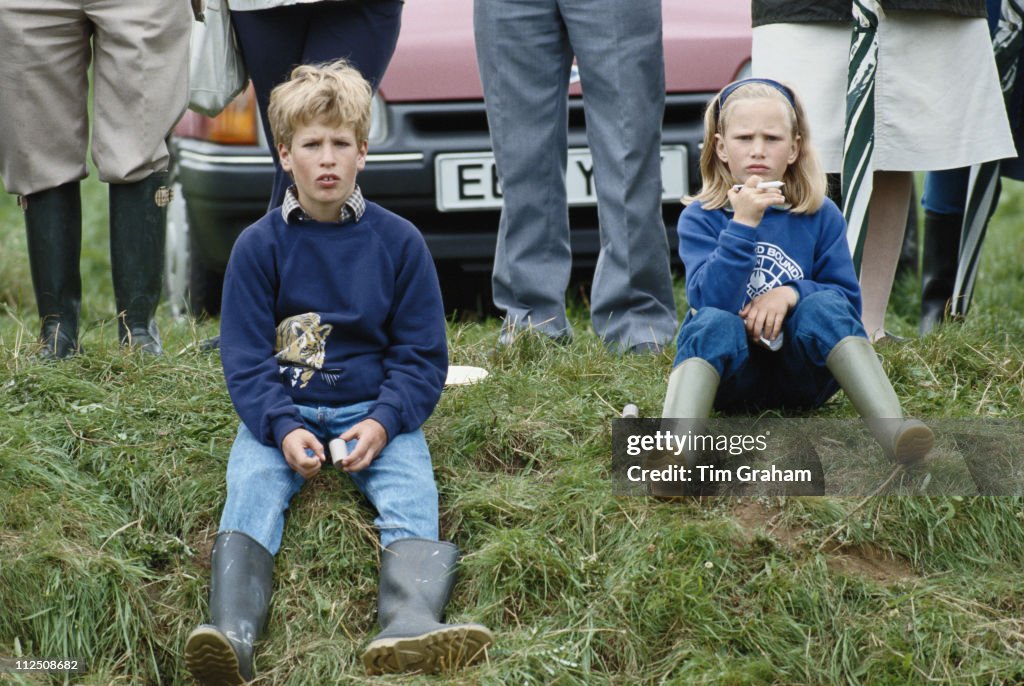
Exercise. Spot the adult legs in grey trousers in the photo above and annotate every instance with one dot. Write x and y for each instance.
(525, 50)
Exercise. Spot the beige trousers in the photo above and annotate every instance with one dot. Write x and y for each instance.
(140, 52)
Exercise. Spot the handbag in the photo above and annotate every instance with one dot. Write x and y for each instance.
(216, 69)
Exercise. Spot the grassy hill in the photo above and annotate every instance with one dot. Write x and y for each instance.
(112, 479)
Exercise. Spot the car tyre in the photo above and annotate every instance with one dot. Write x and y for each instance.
(190, 288)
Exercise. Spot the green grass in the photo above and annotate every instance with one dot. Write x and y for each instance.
(112, 480)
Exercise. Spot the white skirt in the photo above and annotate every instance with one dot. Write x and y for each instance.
(938, 103)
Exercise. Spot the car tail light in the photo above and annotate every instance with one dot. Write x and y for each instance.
(236, 125)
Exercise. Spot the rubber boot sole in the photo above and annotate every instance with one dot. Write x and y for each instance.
(211, 659)
(442, 650)
(913, 441)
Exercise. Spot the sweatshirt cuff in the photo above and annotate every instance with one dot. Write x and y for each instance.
(387, 417)
(804, 287)
(282, 426)
(741, 231)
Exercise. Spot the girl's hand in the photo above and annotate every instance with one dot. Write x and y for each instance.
(750, 202)
(294, 447)
(766, 313)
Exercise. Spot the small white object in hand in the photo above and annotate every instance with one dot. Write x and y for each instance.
(338, 450)
(763, 185)
(775, 345)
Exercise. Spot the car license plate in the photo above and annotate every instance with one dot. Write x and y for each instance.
(469, 181)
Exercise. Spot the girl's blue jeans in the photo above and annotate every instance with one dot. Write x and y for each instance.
(399, 482)
(753, 378)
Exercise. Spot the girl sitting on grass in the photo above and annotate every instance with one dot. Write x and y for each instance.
(768, 265)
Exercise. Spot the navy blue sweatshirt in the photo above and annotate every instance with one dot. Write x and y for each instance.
(728, 263)
(328, 314)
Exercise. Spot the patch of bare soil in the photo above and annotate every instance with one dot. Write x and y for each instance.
(864, 560)
(870, 561)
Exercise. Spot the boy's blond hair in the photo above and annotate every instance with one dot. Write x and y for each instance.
(805, 181)
(332, 92)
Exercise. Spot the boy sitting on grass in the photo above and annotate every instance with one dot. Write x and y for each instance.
(331, 326)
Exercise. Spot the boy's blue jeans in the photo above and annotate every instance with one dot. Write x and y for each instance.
(752, 377)
(399, 482)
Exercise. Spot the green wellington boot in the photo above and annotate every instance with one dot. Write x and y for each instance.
(855, 365)
(938, 267)
(220, 653)
(416, 580)
(138, 217)
(53, 220)
(691, 390)
(688, 401)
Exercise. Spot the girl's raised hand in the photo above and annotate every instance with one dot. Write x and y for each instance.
(749, 202)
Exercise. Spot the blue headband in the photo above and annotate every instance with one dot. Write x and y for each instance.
(728, 90)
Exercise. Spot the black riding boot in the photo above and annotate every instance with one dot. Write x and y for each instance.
(938, 267)
(53, 219)
(138, 216)
(220, 654)
(416, 580)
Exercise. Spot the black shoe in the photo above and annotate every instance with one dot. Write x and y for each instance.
(146, 341)
(57, 343)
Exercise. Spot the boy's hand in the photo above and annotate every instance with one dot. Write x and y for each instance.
(294, 447)
(767, 312)
(750, 202)
(371, 439)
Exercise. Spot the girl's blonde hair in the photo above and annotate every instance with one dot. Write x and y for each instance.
(334, 92)
(805, 181)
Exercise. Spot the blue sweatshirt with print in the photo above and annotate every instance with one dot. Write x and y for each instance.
(328, 314)
(728, 263)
